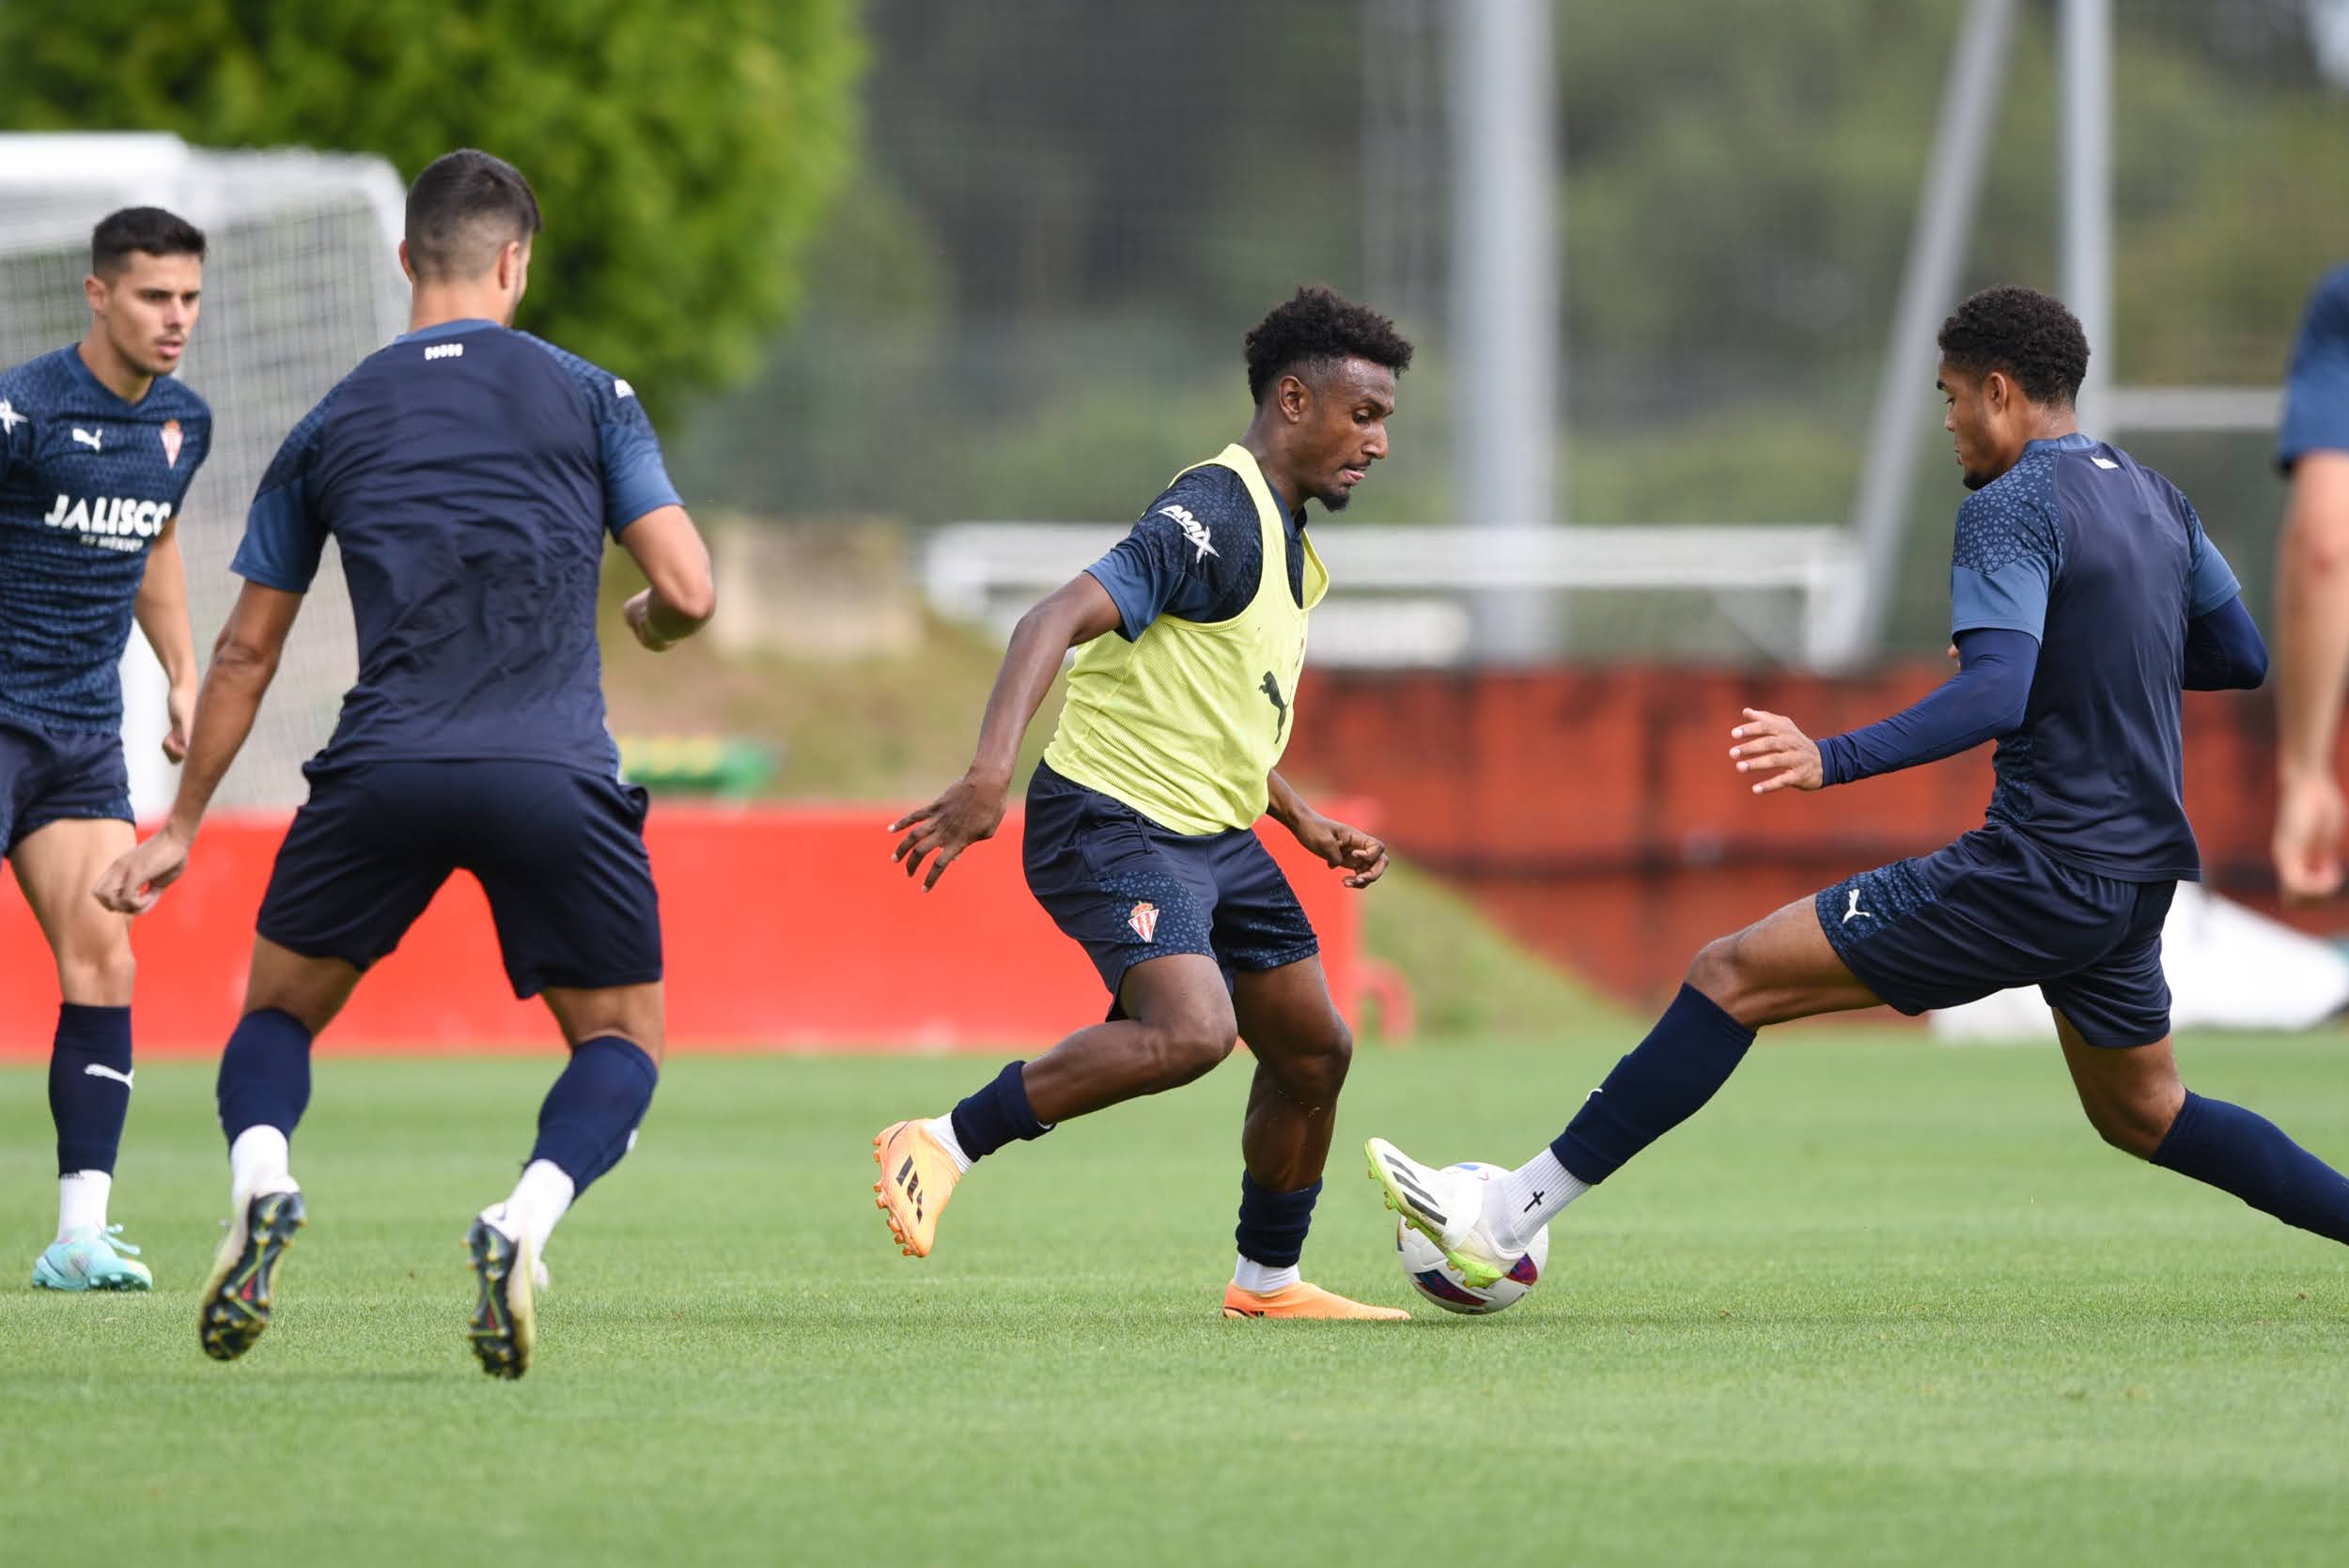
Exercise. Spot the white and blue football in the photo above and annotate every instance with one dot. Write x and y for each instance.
(1433, 1277)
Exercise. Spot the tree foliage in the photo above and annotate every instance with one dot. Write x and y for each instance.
(682, 152)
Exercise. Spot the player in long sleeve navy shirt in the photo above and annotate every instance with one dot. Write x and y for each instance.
(2006, 563)
(2084, 599)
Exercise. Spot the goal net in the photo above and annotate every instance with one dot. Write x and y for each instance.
(302, 282)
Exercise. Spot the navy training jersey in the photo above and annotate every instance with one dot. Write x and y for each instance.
(2104, 562)
(1197, 553)
(2316, 388)
(86, 484)
(468, 474)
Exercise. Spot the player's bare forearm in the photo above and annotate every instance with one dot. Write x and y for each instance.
(161, 609)
(244, 661)
(673, 623)
(659, 626)
(224, 717)
(680, 594)
(1072, 616)
(970, 810)
(2313, 614)
(1282, 803)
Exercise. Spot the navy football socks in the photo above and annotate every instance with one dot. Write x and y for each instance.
(1665, 1079)
(996, 1115)
(89, 1085)
(265, 1074)
(591, 1115)
(1272, 1225)
(2238, 1151)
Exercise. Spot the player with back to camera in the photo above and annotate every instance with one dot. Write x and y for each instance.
(2084, 599)
(469, 475)
(2313, 597)
(99, 444)
(1140, 823)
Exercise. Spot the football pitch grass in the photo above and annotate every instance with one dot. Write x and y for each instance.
(1880, 1303)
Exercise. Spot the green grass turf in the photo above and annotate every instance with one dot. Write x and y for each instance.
(1881, 1303)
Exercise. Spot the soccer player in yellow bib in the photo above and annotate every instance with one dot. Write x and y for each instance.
(1141, 826)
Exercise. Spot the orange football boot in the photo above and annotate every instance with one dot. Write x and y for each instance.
(917, 1178)
(1304, 1301)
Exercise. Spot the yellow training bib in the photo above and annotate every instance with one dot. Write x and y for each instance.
(1185, 723)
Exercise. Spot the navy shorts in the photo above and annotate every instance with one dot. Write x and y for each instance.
(559, 852)
(1995, 910)
(1129, 889)
(57, 776)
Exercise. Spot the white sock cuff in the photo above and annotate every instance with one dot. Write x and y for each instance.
(82, 1200)
(545, 1182)
(1532, 1195)
(1263, 1279)
(259, 1160)
(942, 1129)
(540, 1200)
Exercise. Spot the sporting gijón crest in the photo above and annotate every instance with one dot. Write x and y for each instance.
(1145, 920)
(172, 440)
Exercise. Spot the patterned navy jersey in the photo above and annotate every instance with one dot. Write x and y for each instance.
(1197, 554)
(2104, 562)
(86, 484)
(468, 474)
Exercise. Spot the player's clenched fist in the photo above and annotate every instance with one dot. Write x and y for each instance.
(1349, 848)
(2309, 824)
(637, 611)
(1769, 743)
(132, 884)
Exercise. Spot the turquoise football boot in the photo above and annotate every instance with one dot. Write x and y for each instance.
(92, 1259)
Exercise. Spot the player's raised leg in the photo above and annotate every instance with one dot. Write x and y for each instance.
(89, 1062)
(1302, 1049)
(2135, 1102)
(264, 1087)
(2113, 1019)
(1780, 968)
(1178, 1025)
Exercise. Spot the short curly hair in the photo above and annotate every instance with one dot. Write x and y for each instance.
(2027, 334)
(1317, 327)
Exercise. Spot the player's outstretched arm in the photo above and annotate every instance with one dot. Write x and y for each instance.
(971, 808)
(2311, 668)
(1985, 699)
(244, 661)
(1362, 857)
(161, 612)
(681, 592)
